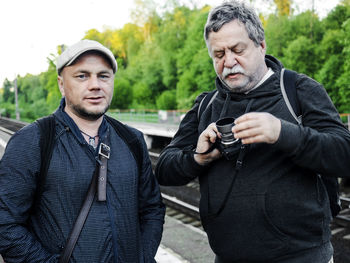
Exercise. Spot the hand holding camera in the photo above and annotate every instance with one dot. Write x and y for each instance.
(205, 152)
(227, 135)
(217, 140)
(257, 127)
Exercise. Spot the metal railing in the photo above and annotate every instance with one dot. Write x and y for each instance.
(171, 116)
(149, 116)
(346, 119)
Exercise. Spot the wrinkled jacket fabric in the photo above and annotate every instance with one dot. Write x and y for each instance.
(125, 228)
(277, 209)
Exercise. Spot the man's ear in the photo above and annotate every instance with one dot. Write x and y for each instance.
(60, 84)
(263, 47)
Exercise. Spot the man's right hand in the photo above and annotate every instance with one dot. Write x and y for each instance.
(205, 141)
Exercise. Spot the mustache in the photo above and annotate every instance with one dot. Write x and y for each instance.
(234, 70)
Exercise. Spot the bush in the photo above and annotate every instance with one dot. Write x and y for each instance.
(167, 100)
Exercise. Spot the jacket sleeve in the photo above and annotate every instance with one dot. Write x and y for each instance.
(151, 208)
(18, 169)
(176, 164)
(322, 143)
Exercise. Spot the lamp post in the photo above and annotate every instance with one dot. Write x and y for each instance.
(16, 100)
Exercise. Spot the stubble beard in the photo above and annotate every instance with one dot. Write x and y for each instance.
(242, 88)
(246, 84)
(88, 115)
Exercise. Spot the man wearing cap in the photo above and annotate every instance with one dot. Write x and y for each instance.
(123, 226)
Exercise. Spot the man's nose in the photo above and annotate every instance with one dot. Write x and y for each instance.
(94, 82)
(230, 60)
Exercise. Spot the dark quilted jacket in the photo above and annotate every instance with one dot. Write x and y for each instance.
(125, 228)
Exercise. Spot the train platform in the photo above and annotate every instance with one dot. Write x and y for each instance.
(183, 243)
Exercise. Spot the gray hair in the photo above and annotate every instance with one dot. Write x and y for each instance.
(231, 10)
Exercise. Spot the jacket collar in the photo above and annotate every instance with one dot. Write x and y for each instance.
(67, 121)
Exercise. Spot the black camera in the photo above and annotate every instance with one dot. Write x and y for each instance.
(227, 145)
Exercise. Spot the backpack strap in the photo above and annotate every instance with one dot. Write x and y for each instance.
(289, 92)
(206, 101)
(47, 140)
(130, 139)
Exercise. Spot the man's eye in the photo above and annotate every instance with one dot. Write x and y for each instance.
(104, 76)
(219, 55)
(81, 76)
(238, 51)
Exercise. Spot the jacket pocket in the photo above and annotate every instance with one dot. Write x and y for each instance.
(244, 230)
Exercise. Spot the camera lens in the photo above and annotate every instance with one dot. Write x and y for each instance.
(224, 126)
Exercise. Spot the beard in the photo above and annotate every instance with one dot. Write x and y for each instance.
(245, 83)
(88, 115)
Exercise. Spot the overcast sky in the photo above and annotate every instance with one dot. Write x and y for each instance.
(32, 29)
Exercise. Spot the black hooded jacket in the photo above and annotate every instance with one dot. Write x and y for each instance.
(277, 206)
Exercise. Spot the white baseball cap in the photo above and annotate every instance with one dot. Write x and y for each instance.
(73, 52)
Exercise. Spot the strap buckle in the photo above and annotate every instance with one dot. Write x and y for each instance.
(104, 150)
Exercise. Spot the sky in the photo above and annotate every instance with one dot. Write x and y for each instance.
(32, 29)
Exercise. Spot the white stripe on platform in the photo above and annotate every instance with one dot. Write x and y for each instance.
(3, 143)
(166, 255)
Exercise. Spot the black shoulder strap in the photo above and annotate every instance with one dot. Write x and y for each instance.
(130, 139)
(47, 141)
(206, 101)
(289, 92)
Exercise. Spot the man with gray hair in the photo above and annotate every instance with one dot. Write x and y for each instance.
(262, 199)
(97, 200)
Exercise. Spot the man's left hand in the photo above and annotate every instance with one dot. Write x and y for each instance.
(257, 127)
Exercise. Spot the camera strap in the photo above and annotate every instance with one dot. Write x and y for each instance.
(104, 152)
(238, 165)
(211, 148)
(98, 184)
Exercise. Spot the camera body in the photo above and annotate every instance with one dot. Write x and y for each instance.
(227, 145)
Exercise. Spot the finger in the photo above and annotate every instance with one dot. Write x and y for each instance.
(212, 126)
(253, 139)
(248, 124)
(247, 116)
(252, 132)
(212, 136)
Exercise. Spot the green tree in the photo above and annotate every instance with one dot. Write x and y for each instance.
(170, 38)
(344, 80)
(195, 69)
(283, 7)
(277, 34)
(167, 100)
(8, 94)
(142, 96)
(123, 93)
(330, 54)
(296, 53)
(49, 81)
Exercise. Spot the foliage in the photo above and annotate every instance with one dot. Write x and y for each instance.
(48, 80)
(122, 95)
(164, 63)
(194, 65)
(8, 95)
(283, 7)
(167, 100)
(297, 51)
